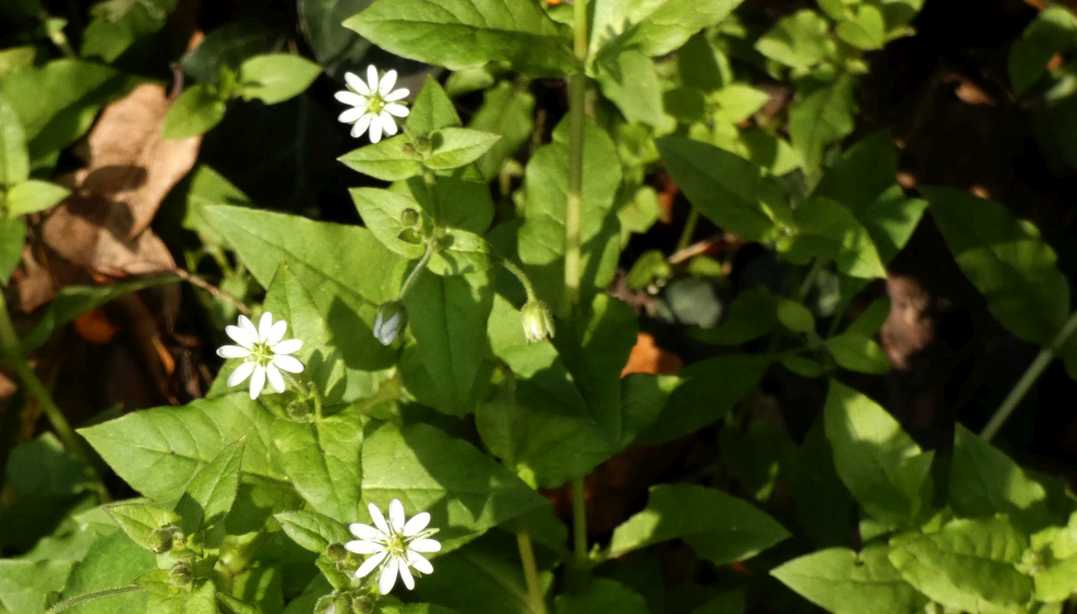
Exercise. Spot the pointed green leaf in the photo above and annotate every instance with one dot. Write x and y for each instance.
(312, 530)
(822, 114)
(864, 28)
(433, 110)
(140, 520)
(112, 561)
(656, 27)
(321, 459)
(507, 109)
(984, 482)
(456, 147)
(799, 40)
(33, 195)
(212, 489)
(385, 213)
(196, 111)
(276, 77)
(826, 229)
(25, 585)
(857, 352)
(389, 160)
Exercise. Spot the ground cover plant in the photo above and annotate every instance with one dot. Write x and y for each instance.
(403, 306)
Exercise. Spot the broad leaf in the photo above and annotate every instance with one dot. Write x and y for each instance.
(967, 565)
(842, 581)
(212, 489)
(1054, 557)
(719, 527)
(386, 214)
(312, 530)
(1006, 260)
(321, 459)
(506, 110)
(14, 160)
(336, 48)
(857, 352)
(826, 229)
(984, 482)
(140, 520)
(799, 41)
(456, 147)
(462, 33)
(196, 111)
(276, 77)
(158, 451)
(464, 490)
(432, 110)
(389, 160)
(863, 28)
(823, 113)
(633, 85)
(32, 196)
(877, 461)
(25, 585)
(113, 560)
(656, 27)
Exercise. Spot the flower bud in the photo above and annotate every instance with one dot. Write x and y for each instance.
(389, 321)
(181, 575)
(162, 539)
(336, 552)
(333, 604)
(537, 321)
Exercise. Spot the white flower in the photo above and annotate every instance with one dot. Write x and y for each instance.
(395, 546)
(374, 103)
(265, 353)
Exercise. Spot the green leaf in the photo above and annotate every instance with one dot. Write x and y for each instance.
(984, 481)
(565, 414)
(1054, 562)
(823, 113)
(384, 213)
(433, 110)
(541, 239)
(212, 489)
(800, 40)
(276, 77)
(721, 528)
(345, 284)
(602, 595)
(967, 565)
(824, 508)
(312, 530)
(464, 490)
(456, 147)
(56, 103)
(878, 462)
(508, 110)
(732, 192)
(34, 195)
(200, 600)
(12, 237)
(117, 25)
(825, 229)
(196, 111)
(447, 316)
(159, 451)
(463, 33)
(453, 203)
(1053, 31)
(73, 301)
(633, 85)
(14, 59)
(321, 459)
(1006, 260)
(25, 585)
(113, 560)
(226, 48)
(751, 315)
(336, 48)
(843, 581)
(656, 27)
(857, 352)
(389, 160)
(14, 159)
(140, 519)
(737, 102)
(864, 28)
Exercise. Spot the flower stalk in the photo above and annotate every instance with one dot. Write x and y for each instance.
(531, 577)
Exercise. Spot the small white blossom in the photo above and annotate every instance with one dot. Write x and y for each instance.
(374, 103)
(397, 546)
(265, 353)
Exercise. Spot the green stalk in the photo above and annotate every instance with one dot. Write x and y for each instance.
(520, 276)
(413, 276)
(579, 523)
(527, 560)
(689, 229)
(108, 592)
(1044, 358)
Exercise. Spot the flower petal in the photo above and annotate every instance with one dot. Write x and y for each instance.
(248, 326)
(395, 95)
(420, 563)
(287, 363)
(425, 545)
(417, 523)
(361, 125)
(359, 546)
(276, 332)
(397, 109)
(388, 576)
(241, 373)
(372, 78)
(388, 82)
(276, 380)
(379, 520)
(349, 116)
(258, 381)
(396, 515)
(265, 326)
(288, 346)
(352, 99)
(375, 128)
(241, 336)
(356, 83)
(405, 574)
(387, 123)
(366, 532)
(233, 351)
(370, 564)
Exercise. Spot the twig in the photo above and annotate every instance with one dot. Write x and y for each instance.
(217, 293)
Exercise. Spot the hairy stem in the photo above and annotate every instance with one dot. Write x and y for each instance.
(67, 604)
(527, 561)
(1023, 385)
(520, 276)
(418, 270)
(574, 200)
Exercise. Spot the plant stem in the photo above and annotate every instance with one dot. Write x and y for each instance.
(817, 266)
(527, 560)
(67, 604)
(574, 201)
(689, 229)
(520, 276)
(413, 276)
(579, 523)
(12, 352)
(1033, 373)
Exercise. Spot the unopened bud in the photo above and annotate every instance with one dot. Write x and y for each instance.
(181, 575)
(537, 321)
(336, 552)
(389, 321)
(162, 539)
(333, 604)
(409, 217)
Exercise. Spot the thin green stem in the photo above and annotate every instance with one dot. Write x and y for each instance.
(67, 604)
(817, 267)
(527, 561)
(579, 523)
(1029, 378)
(520, 276)
(418, 270)
(689, 229)
(574, 200)
(12, 352)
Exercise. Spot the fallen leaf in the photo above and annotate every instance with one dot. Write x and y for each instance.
(647, 357)
(94, 326)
